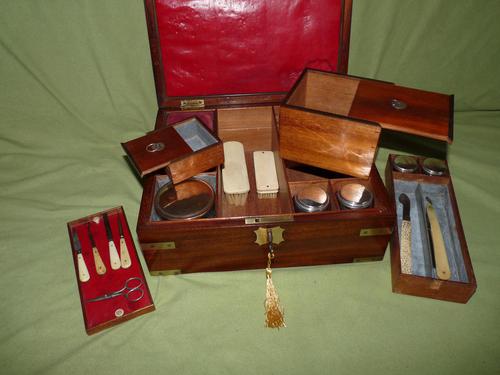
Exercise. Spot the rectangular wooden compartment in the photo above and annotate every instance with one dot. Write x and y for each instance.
(462, 284)
(334, 120)
(226, 241)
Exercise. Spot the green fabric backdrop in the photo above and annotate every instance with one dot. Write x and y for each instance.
(76, 80)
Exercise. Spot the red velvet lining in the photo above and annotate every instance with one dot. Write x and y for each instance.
(214, 47)
(101, 312)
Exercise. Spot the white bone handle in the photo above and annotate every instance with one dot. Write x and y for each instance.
(83, 272)
(114, 258)
(99, 264)
(125, 256)
(442, 265)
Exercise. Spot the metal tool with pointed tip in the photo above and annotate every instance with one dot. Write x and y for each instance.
(99, 264)
(83, 272)
(436, 243)
(124, 254)
(405, 253)
(114, 258)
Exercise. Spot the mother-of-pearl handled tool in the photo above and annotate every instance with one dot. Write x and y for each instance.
(436, 244)
(99, 264)
(83, 272)
(124, 254)
(114, 258)
(405, 241)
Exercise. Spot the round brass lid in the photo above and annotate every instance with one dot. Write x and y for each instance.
(311, 199)
(405, 164)
(189, 199)
(434, 167)
(354, 196)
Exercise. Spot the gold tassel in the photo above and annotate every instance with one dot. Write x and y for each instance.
(274, 311)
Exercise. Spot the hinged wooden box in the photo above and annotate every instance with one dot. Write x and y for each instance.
(334, 120)
(230, 65)
(183, 149)
(429, 255)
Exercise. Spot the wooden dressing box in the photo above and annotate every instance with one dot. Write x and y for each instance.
(221, 64)
(422, 281)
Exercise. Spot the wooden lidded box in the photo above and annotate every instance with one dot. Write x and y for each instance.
(183, 149)
(334, 120)
(230, 65)
(428, 233)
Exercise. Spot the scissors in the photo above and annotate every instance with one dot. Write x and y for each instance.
(132, 291)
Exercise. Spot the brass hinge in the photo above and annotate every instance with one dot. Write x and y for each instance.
(367, 259)
(375, 231)
(193, 104)
(165, 272)
(157, 245)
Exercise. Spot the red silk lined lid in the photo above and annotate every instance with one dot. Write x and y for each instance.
(242, 47)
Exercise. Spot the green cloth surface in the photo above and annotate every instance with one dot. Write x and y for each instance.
(76, 80)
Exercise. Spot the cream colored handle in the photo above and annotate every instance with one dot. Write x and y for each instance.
(405, 243)
(442, 265)
(99, 265)
(124, 254)
(114, 258)
(83, 272)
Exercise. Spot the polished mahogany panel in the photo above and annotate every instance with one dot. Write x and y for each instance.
(222, 47)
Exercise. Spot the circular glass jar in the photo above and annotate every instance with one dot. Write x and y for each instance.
(186, 200)
(434, 167)
(355, 196)
(405, 164)
(311, 199)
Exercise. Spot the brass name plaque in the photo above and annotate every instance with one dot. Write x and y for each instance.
(375, 231)
(157, 245)
(193, 104)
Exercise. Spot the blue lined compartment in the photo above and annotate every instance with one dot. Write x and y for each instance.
(195, 134)
(440, 197)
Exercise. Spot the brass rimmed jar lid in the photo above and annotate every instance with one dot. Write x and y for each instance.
(434, 167)
(405, 164)
(311, 199)
(355, 196)
(186, 200)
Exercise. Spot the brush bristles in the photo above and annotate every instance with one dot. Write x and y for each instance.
(267, 195)
(237, 199)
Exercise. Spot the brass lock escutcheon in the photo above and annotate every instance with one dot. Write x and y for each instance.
(272, 235)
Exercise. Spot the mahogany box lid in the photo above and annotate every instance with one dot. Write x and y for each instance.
(207, 54)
